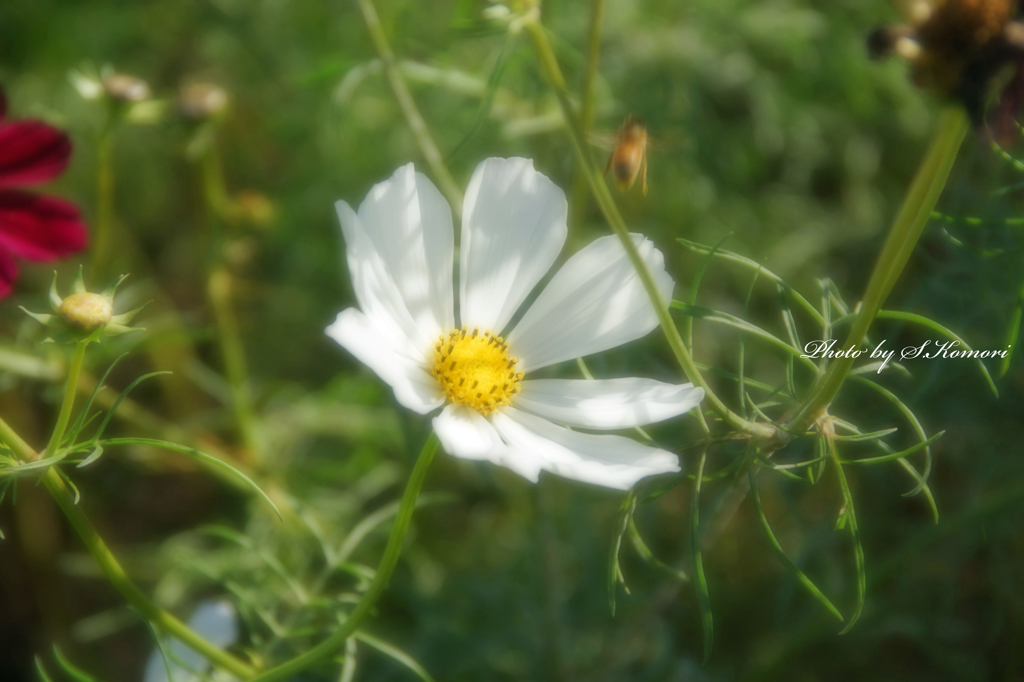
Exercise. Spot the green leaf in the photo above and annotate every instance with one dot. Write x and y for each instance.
(938, 328)
(742, 260)
(725, 471)
(742, 325)
(117, 403)
(378, 517)
(903, 462)
(912, 418)
(766, 463)
(896, 455)
(348, 669)
(269, 559)
(751, 383)
(648, 556)
(75, 672)
(695, 286)
(41, 318)
(781, 553)
(32, 467)
(160, 647)
(762, 415)
(700, 582)
(788, 321)
(396, 654)
(70, 484)
(493, 82)
(614, 569)
(93, 456)
(192, 452)
(78, 285)
(79, 423)
(826, 310)
(1012, 332)
(43, 675)
(741, 364)
(874, 435)
(850, 516)
(55, 299)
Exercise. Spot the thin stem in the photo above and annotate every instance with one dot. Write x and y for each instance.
(385, 568)
(412, 115)
(120, 580)
(219, 293)
(104, 202)
(593, 54)
(579, 185)
(70, 388)
(214, 190)
(233, 353)
(113, 570)
(906, 231)
(606, 202)
(104, 199)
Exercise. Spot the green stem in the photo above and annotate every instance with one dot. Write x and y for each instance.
(385, 568)
(412, 114)
(233, 353)
(70, 388)
(579, 185)
(120, 580)
(906, 230)
(219, 293)
(214, 189)
(549, 64)
(113, 570)
(104, 202)
(593, 54)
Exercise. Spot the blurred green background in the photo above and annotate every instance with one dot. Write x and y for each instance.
(768, 122)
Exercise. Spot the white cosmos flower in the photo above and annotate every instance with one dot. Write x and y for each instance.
(400, 250)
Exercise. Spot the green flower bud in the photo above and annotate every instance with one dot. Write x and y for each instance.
(86, 312)
(83, 315)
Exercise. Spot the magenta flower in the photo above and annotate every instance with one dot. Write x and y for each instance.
(32, 226)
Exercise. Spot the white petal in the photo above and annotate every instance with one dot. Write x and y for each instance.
(610, 461)
(606, 403)
(400, 253)
(595, 302)
(464, 432)
(410, 225)
(513, 228)
(376, 291)
(414, 387)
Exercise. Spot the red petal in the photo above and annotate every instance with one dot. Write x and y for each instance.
(8, 269)
(31, 152)
(39, 227)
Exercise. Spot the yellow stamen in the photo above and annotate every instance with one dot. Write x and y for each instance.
(475, 369)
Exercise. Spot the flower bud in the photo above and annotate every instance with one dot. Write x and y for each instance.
(199, 101)
(254, 208)
(124, 88)
(86, 312)
(496, 12)
(84, 316)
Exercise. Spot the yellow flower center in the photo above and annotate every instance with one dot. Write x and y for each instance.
(475, 369)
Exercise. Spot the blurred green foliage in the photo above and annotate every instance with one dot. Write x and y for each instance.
(768, 123)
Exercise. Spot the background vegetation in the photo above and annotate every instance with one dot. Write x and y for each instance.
(769, 123)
